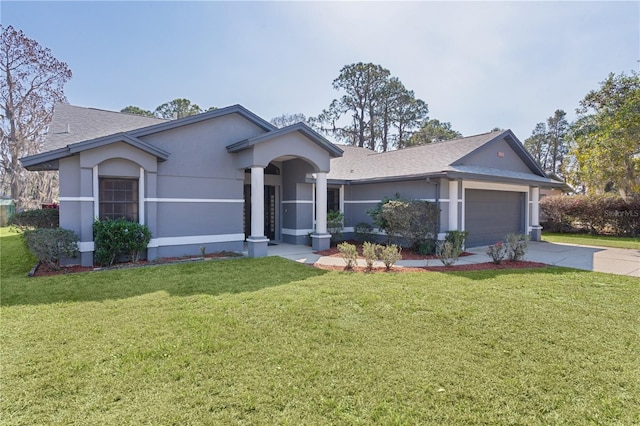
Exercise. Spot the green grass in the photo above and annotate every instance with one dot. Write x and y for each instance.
(593, 240)
(269, 341)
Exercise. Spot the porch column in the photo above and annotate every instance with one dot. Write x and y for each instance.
(321, 240)
(536, 229)
(453, 205)
(257, 241)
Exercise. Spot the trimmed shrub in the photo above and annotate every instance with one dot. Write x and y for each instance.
(363, 232)
(50, 245)
(389, 255)
(428, 246)
(117, 238)
(447, 252)
(458, 239)
(370, 254)
(516, 246)
(414, 221)
(335, 224)
(34, 219)
(376, 214)
(349, 254)
(497, 252)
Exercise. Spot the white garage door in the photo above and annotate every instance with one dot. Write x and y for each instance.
(490, 215)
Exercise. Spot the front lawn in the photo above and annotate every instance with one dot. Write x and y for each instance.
(593, 240)
(270, 341)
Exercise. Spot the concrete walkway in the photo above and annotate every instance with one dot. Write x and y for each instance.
(599, 259)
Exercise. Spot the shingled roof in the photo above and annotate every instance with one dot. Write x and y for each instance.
(359, 165)
(71, 124)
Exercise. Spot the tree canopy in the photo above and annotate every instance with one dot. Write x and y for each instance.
(285, 120)
(375, 110)
(605, 150)
(177, 108)
(433, 130)
(32, 83)
(548, 142)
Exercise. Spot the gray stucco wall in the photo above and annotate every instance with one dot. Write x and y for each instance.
(488, 156)
(359, 198)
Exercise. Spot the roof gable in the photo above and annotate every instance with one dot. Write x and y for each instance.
(234, 109)
(301, 128)
(504, 152)
(90, 125)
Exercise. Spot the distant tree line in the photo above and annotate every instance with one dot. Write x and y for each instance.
(600, 151)
(177, 108)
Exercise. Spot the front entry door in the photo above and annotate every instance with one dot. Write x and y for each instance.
(269, 211)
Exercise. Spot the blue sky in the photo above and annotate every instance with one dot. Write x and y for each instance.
(477, 64)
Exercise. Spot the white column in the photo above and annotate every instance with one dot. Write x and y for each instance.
(321, 203)
(257, 201)
(141, 197)
(535, 206)
(453, 205)
(96, 193)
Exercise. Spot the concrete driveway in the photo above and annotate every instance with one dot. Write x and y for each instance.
(599, 259)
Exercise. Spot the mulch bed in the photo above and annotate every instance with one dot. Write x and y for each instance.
(42, 270)
(407, 254)
(506, 264)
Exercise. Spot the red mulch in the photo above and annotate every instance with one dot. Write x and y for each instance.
(506, 264)
(43, 270)
(407, 254)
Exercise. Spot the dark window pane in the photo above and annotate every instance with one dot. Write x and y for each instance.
(118, 198)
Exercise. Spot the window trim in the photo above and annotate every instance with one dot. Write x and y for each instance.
(134, 203)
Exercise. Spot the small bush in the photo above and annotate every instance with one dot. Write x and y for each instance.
(458, 239)
(516, 246)
(363, 232)
(497, 252)
(447, 252)
(34, 219)
(413, 220)
(50, 245)
(116, 238)
(389, 255)
(428, 246)
(370, 254)
(349, 253)
(335, 224)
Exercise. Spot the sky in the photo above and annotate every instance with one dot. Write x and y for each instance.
(478, 64)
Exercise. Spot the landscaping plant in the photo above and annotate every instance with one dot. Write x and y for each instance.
(389, 255)
(497, 252)
(447, 252)
(335, 224)
(516, 246)
(349, 253)
(116, 238)
(33, 219)
(363, 232)
(458, 239)
(50, 245)
(370, 254)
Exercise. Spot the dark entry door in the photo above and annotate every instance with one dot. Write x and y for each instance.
(269, 211)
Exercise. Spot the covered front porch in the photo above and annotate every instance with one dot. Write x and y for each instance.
(303, 155)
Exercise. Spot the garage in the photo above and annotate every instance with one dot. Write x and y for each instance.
(490, 215)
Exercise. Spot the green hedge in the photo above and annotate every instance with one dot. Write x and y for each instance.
(597, 214)
(33, 219)
(119, 238)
